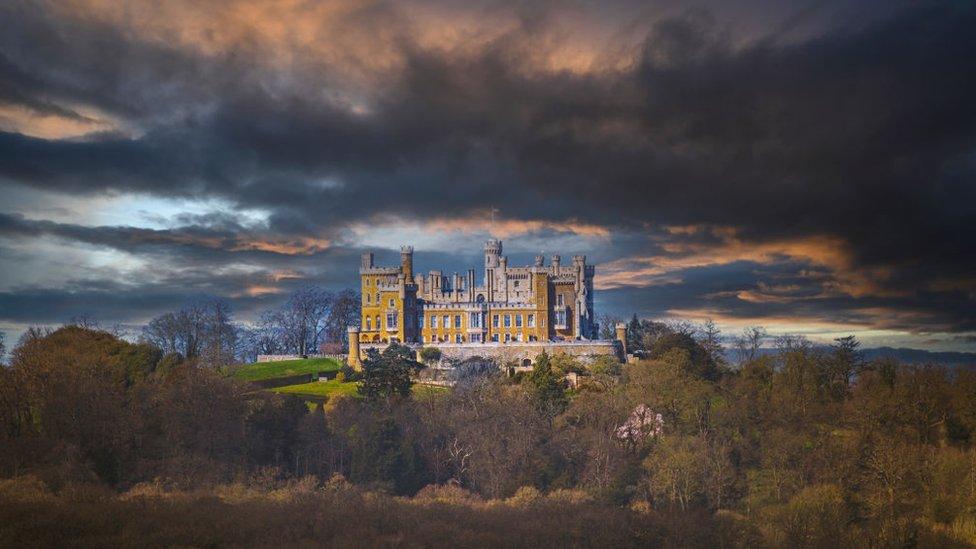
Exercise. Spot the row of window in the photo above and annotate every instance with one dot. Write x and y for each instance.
(474, 320)
(391, 322)
(392, 302)
(476, 338)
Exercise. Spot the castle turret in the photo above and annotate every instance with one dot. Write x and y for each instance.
(555, 264)
(621, 331)
(406, 263)
(540, 261)
(493, 250)
(354, 359)
(367, 260)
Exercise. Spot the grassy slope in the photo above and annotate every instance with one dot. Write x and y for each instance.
(284, 368)
(320, 388)
(333, 387)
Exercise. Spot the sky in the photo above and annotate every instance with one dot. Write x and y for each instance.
(804, 166)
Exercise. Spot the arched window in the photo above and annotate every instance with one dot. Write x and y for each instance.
(480, 298)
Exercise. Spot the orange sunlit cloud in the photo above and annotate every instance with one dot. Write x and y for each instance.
(725, 246)
(480, 222)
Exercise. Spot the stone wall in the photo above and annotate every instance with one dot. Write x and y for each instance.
(584, 351)
(278, 358)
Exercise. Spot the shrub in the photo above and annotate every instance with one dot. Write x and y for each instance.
(430, 354)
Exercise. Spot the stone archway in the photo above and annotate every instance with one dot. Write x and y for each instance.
(526, 362)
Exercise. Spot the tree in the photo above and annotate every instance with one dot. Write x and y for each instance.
(345, 311)
(749, 343)
(702, 364)
(634, 335)
(845, 362)
(300, 322)
(200, 330)
(388, 373)
(688, 470)
(710, 339)
(547, 387)
(430, 354)
(608, 326)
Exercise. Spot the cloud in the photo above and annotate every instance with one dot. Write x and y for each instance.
(820, 159)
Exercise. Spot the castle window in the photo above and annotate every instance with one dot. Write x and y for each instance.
(561, 317)
(531, 321)
(508, 337)
(494, 321)
(457, 321)
(392, 303)
(391, 321)
(559, 300)
(474, 320)
(433, 321)
(447, 321)
(476, 338)
(518, 336)
(508, 321)
(516, 284)
(377, 298)
(518, 321)
(369, 324)
(377, 322)
(458, 338)
(369, 298)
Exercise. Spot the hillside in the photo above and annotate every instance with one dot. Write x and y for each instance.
(259, 371)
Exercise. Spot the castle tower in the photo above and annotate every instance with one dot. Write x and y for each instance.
(621, 331)
(406, 262)
(493, 250)
(354, 360)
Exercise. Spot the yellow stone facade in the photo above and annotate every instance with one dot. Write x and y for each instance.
(512, 304)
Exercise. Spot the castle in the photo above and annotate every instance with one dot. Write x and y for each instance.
(531, 306)
(513, 304)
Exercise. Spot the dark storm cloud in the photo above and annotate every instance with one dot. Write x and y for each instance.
(220, 239)
(864, 132)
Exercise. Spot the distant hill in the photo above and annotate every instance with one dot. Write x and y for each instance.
(904, 355)
(919, 356)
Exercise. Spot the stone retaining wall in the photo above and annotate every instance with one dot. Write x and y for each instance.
(278, 358)
(584, 351)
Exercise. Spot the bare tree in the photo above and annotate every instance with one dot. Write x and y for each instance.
(608, 325)
(345, 312)
(200, 330)
(748, 344)
(789, 343)
(710, 338)
(301, 320)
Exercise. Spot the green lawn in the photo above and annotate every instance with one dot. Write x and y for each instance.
(285, 368)
(320, 389)
(333, 387)
(428, 390)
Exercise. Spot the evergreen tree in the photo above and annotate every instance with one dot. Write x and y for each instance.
(388, 373)
(547, 387)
